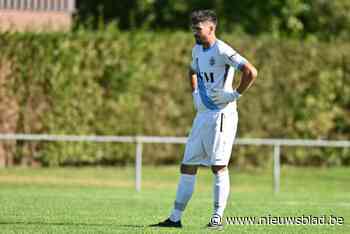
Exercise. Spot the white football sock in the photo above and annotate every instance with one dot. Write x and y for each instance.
(183, 195)
(221, 191)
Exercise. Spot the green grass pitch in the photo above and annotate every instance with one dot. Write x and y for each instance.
(103, 200)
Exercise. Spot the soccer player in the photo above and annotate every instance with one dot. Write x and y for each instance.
(214, 128)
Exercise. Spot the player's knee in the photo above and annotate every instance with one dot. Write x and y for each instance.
(218, 169)
(188, 169)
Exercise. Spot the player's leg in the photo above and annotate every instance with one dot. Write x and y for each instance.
(184, 191)
(219, 147)
(192, 159)
(221, 190)
(183, 195)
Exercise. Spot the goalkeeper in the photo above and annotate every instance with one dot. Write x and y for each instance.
(214, 128)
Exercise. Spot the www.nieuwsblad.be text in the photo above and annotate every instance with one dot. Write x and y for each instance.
(286, 220)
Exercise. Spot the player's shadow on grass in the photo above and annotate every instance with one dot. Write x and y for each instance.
(73, 224)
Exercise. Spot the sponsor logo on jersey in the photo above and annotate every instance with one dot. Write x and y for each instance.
(212, 61)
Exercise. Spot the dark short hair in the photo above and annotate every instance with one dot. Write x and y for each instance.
(199, 16)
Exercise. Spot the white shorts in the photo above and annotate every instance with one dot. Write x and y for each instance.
(211, 138)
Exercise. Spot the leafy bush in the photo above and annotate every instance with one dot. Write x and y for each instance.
(109, 82)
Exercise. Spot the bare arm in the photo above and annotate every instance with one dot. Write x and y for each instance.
(193, 79)
(249, 74)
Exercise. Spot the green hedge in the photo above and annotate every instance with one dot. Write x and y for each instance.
(135, 83)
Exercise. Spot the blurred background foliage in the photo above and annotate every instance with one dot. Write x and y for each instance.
(122, 71)
(306, 19)
(109, 82)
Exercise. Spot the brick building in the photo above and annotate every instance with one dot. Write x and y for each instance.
(36, 15)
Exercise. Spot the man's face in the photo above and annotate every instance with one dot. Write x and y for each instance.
(202, 31)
